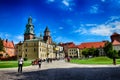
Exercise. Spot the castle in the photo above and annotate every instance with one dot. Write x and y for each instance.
(35, 47)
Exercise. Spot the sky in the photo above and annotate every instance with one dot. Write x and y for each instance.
(75, 21)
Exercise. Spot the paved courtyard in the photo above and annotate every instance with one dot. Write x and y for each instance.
(60, 70)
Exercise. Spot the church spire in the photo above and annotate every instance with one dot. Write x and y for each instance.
(47, 30)
(29, 31)
(30, 20)
(47, 38)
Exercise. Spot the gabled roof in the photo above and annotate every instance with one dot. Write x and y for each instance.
(92, 45)
(115, 42)
(8, 44)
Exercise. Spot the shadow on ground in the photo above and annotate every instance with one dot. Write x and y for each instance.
(70, 74)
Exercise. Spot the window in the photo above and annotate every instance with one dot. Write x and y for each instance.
(34, 49)
(26, 50)
(40, 49)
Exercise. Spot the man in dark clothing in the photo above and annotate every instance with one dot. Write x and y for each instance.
(39, 63)
(20, 65)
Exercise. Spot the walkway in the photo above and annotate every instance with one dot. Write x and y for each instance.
(60, 70)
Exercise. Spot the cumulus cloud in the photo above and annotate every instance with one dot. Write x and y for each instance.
(106, 29)
(81, 30)
(102, 30)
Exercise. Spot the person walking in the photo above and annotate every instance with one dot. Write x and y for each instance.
(20, 64)
(39, 63)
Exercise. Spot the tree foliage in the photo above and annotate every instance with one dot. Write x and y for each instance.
(108, 47)
(90, 52)
(1, 45)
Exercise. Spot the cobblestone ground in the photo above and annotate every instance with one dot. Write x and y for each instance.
(60, 70)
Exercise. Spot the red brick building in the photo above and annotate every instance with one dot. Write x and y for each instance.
(97, 45)
(9, 49)
(66, 46)
(115, 39)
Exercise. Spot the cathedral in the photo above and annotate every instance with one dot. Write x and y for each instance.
(34, 47)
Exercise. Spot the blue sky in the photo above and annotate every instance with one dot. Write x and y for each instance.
(68, 20)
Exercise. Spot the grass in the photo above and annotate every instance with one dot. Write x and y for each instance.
(96, 60)
(12, 64)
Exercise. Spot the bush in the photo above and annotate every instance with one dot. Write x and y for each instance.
(25, 59)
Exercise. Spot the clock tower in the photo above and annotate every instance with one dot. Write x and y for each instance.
(29, 32)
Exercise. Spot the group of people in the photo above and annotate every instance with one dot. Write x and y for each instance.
(20, 64)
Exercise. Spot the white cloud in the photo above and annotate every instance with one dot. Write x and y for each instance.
(112, 18)
(106, 29)
(60, 28)
(102, 30)
(19, 37)
(67, 5)
(90, 24)
(94, 9)
(66, 2)
(62, 39)
(81, 30)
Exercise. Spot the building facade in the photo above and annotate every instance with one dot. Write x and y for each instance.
(115, 40)
(66, 47)
(97, 45)
(9, 49)
(74, 52)
(35, 47)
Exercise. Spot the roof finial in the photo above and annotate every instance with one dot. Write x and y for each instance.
(30, 20)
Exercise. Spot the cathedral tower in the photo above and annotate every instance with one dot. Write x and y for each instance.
(29, 32)
(47, 37)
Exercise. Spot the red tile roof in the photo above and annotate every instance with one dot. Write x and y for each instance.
(69, 44)
(92, 45)
(10, 47)
(8, 44)
(115, 42)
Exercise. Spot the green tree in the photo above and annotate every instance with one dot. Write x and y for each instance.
(112, 54)
(1, 45)
(1, 55)
(107, 48)
(85, 52)
(96, 53)
(91, 51)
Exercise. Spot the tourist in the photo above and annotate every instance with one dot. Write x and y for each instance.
(39, 63)
(20, 64)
